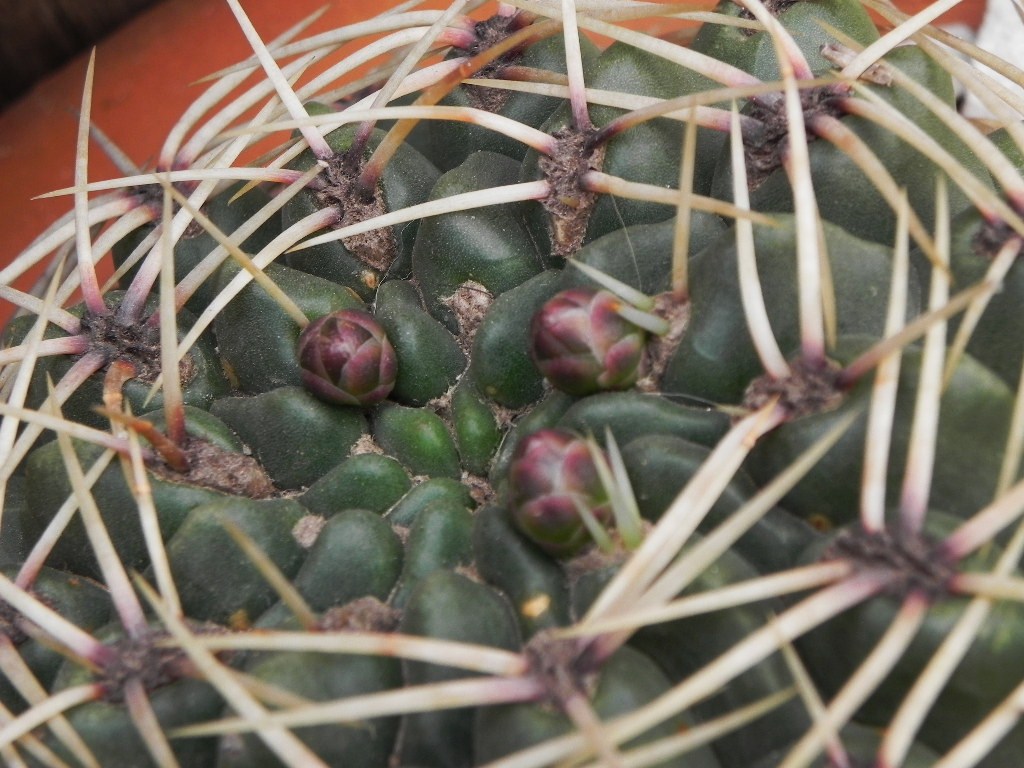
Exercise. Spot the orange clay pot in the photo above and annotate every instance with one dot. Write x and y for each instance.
(968, 12)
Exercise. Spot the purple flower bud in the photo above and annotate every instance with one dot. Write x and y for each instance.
(346, 358)
(582, 345)
(550, 473)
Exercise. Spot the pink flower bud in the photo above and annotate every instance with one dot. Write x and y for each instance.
(346, 358)
(582, 345)
(551, 472)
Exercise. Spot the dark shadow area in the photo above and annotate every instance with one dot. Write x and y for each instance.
(40, 35)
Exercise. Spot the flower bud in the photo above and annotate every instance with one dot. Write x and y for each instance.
(581, 344)
(551, 473)
(346, 358)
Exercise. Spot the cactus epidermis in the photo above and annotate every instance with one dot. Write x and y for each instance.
(567, 388)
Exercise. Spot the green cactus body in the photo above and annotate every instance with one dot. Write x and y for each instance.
(417, 438)
(489, 249)
(631, 414)
(364, 481)
(296, 437)
(448, 605)
(319, 677)
(229, 213)
(706, 366)
(257, 338)
(654, 146)
(683, 646)
(996, 341)
(510, 378)
(861, 742)
(395, 539)
(770, 545)
(107, 728)
(966, 467)
(439, 540)
(443, 490)
(641, 255)
(532, 581)
(429, 358)
(81, 600)
(173, 497)
(859, 208)
(219, 581)
(355, 555)
(478, 430)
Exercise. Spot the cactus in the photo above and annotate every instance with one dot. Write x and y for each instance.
(554, 401)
